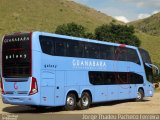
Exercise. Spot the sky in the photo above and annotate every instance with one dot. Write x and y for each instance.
(124, 10)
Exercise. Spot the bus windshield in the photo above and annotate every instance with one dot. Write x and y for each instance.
(147, 61)
(16, 55)
(145, 56)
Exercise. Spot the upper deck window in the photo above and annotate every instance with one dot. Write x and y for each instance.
(73, 48)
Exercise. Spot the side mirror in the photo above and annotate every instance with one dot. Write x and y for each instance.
(154, 67)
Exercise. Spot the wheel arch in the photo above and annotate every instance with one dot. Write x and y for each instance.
(74, 92)
(141, 88)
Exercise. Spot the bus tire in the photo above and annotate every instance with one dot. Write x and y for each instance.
(140, 95)
(85, 101)
(70, 102)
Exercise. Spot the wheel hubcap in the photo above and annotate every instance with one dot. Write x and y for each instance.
(70, 101)
(85, 101)
(138, 95)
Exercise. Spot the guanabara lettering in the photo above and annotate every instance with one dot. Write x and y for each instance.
(18, 39)
(88, 63)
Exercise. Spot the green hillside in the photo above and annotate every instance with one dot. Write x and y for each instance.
(150, 25)
(46, 15)
(150, 35)
(151, 44)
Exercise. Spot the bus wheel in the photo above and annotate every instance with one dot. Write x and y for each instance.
(85, 101)
(140, 95)
(70, 102)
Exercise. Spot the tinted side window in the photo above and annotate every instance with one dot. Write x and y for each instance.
(101, 78)
(112, 78)
(75, 49)
(103, 53)
(126, 54)
(60, 47)
(47, 45)
(109, 78)
(121, 53)
(96, 51)
(133, 56)
(72, 49)
(122, 78)
(107, 52)
(91, 50)
(81, 50)
(136, 78)
(96, 78)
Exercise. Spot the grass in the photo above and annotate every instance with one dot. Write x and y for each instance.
(151, 35)
(151, 44)
(150, 25)
(33, 15)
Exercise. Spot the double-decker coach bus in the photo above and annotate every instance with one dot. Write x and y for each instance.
(43, 69)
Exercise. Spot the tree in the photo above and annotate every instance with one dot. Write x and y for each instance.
(122, 34)
(73, 29)
(89, 35)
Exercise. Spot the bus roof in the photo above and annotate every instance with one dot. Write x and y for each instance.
(76, 38)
